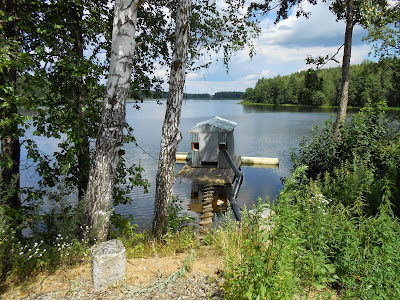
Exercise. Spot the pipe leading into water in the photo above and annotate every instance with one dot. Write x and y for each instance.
(236, 185)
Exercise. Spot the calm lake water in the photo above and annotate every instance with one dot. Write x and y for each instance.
(260, 131)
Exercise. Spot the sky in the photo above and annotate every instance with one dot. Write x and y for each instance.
(281, 49)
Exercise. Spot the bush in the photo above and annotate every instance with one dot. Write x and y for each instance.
(315, 243)
(45, 248)
(176, 220)
(366, 157)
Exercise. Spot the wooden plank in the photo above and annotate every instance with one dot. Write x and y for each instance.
(206, 222)
(214, 176)
(208, 214)
(207, 207)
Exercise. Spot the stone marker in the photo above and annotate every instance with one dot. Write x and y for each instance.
(108, 264)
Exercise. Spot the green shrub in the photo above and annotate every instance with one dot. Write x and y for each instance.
(367, 156)
(314, 242)
(6, 229)
(176, 220)
(49, 244)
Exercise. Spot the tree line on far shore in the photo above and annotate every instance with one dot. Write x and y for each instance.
(370, 82)
(200, 96)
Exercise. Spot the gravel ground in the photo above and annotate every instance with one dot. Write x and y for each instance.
(193, 286)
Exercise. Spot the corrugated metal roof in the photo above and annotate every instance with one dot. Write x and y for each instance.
(216, 122)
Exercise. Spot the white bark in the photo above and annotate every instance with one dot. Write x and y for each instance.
(344, 98)
(171, 135)
(98, 200)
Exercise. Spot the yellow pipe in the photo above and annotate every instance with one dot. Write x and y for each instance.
(181, 157)
(259, 160)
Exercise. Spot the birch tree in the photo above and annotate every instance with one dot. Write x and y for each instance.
(64, 33)
(99, 196)
(171, 135)
(214, 26)
(344, 96)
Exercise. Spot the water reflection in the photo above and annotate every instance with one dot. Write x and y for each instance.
(280, 108)
(219, 201)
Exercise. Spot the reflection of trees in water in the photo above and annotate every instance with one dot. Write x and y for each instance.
(279, 108)
(219, 203)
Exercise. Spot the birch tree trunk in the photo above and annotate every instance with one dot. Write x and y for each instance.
(344, 98)
(97, 206)
(171, 135)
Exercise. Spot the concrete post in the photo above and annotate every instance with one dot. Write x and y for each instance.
(108, 264)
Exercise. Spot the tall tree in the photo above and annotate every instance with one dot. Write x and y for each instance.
(352, 12)
(67, 40)
(10, 119)
(214, 26)
(171, 135)
(98, 199)
(348, 38)
(69, 43)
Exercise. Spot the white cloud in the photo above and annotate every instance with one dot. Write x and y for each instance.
(193, 76)
(264, 73)
(281, 49)
(320, 29)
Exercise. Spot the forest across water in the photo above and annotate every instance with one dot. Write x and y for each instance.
(370, 82)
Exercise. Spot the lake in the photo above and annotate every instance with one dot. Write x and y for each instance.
(260, 131)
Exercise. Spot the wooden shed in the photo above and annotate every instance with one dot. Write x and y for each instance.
(208, 138)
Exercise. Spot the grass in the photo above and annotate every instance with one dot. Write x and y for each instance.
(312, 248)
(313, 244)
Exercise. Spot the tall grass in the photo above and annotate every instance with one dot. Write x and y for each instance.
(313, 243)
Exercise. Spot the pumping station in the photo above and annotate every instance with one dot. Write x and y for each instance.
(212, 165)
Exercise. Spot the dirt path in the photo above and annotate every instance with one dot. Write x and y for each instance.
(202, 280)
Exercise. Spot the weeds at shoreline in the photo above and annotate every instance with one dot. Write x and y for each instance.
(312, 244)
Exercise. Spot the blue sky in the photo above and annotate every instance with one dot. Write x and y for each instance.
(281, 49)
